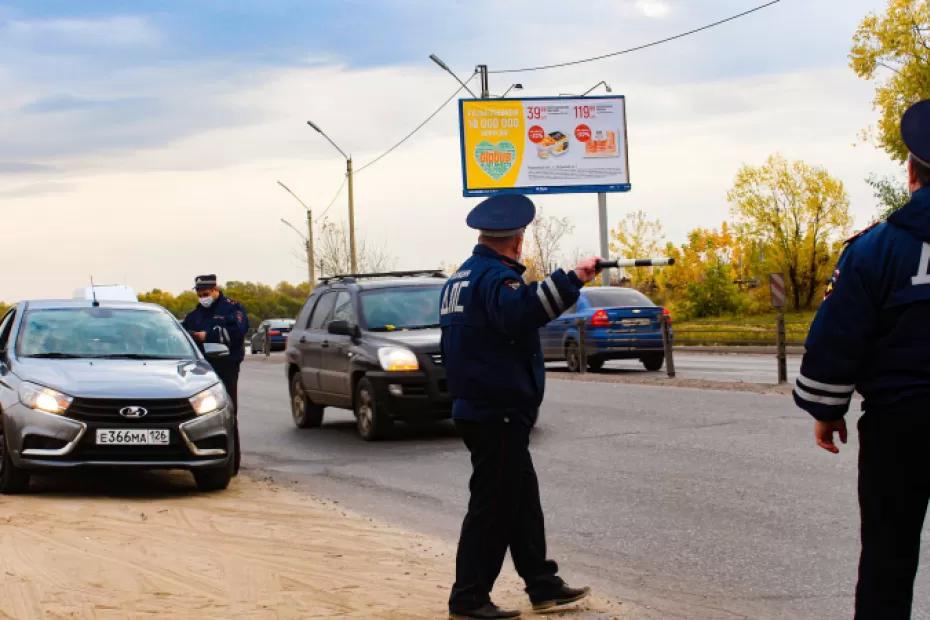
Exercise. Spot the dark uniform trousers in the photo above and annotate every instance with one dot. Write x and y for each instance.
(894, 489)
(228, 372)
(504, 511)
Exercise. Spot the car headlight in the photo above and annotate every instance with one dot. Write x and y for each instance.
(209, 400)
(397, 359)
(43, 399)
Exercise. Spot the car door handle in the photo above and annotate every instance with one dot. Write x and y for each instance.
(303, 340)
(325, 344)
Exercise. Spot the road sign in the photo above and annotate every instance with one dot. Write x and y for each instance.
(544, 145)
(777, 285)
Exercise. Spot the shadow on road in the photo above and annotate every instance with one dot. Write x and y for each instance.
(400, 433)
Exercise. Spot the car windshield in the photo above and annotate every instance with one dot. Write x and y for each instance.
(404, 307)
(617, 297)
(102, 333)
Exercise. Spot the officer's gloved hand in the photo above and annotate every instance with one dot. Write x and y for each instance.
(586, 270)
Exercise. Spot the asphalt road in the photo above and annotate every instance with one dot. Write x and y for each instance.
(682, 503)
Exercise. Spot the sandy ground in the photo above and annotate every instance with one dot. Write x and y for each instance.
(148, 545)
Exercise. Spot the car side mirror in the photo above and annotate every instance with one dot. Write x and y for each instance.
(344, 328)
(214, 350)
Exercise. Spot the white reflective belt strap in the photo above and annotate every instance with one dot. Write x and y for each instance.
(544, 300)
(553, 289)
(817, 398)
(836, 388)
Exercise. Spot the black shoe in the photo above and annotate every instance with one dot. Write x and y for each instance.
(563, 595)
(486, 611)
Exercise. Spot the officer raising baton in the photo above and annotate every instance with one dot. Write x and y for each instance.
(872, 334)
(490, 345)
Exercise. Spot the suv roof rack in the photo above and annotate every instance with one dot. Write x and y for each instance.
(351, 277)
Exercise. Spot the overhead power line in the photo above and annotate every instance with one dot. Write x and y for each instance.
(418, 127)
(643, 46)
(333, 201)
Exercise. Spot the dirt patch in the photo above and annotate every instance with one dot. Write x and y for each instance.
(148, 545)
(662, 380)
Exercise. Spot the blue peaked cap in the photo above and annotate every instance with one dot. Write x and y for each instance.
(915, 130)
(504, 214)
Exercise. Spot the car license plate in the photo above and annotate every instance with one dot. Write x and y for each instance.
(631, 322)
(132, 437)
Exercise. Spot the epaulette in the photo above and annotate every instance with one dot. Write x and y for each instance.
(233, 301)
(862, 232)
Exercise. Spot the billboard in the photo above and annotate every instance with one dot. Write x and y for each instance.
(544, 145)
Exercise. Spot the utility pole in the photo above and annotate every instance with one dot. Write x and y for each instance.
(483, 74)
(353, 257)
(311, 268)
(602, 229)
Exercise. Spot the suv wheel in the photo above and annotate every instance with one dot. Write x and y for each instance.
(654, 361)
(12, 479)
(217, 478)
(305, 412)
(372, 423)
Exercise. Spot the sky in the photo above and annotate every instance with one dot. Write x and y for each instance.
(142, 142)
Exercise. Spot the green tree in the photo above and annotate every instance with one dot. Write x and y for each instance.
(714, 293)
(799, 213)
(894, 44)
(891, 194)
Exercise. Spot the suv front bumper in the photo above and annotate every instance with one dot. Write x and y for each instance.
(412, 396)
(39, 440)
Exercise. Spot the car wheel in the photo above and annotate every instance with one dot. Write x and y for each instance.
(653, 362)
(216, 478)
(595, 365)
(12, 479)
(572, 356)
(305, 412)
(371, 421)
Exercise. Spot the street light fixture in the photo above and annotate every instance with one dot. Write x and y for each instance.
(606, 87)
(512, 87)
(348, 158)
(446, 68)
(308, 239)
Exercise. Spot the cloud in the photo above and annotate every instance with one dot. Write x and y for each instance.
(70, 103)
(23, 167)
(653, 8)
(63, 33)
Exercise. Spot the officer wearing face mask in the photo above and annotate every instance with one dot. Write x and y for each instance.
(222, 320)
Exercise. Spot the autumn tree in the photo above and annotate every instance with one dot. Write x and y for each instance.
(636, 236)
(799, 212)
(895, 49)
(891, 194)
(333, 253)
(543, 245)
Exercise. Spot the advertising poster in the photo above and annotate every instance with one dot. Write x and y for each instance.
(544, 145)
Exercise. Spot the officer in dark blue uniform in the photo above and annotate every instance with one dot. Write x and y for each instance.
(490, 344)
(872, 334)
(222, 320)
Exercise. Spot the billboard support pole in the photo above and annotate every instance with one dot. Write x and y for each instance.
(483, 74)
(602, 230)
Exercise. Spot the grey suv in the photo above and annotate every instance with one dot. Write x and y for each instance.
(109, 384)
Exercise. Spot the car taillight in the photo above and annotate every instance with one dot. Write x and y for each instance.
(667, 315)
(274, 332)
(600, 319)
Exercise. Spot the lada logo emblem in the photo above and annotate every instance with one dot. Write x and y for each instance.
(133, 412)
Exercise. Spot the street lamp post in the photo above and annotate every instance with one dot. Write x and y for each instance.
(311, 268)
(308, 243)
(353, 257)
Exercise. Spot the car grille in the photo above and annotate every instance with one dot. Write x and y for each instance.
(436, 358)
(107, 409)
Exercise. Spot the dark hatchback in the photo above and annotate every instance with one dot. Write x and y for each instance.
(369, 343)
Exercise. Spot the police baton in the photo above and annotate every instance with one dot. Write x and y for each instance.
(633, 262)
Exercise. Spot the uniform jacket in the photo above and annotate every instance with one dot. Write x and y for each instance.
(225, 322)
(872, 332)
(490, 335)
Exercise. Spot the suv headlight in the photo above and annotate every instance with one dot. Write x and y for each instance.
(209, 400)
(397, 359)
(42, 398)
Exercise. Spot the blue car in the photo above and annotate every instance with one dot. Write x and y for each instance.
(620, 323)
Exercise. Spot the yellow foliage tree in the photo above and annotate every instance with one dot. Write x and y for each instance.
(636, 236)
(798, 214)
(895, 43)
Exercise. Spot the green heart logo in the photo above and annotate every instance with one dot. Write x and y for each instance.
(495, 159)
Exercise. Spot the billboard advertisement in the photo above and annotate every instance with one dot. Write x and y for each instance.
(544, 145)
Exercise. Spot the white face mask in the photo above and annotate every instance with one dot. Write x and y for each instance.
(206, 302)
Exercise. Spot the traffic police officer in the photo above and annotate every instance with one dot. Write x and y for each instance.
(490, 344)
(872, 334)
(222, 320)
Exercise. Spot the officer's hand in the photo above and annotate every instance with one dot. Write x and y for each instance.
(586, 270)
(199, 336)
(823, 431)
